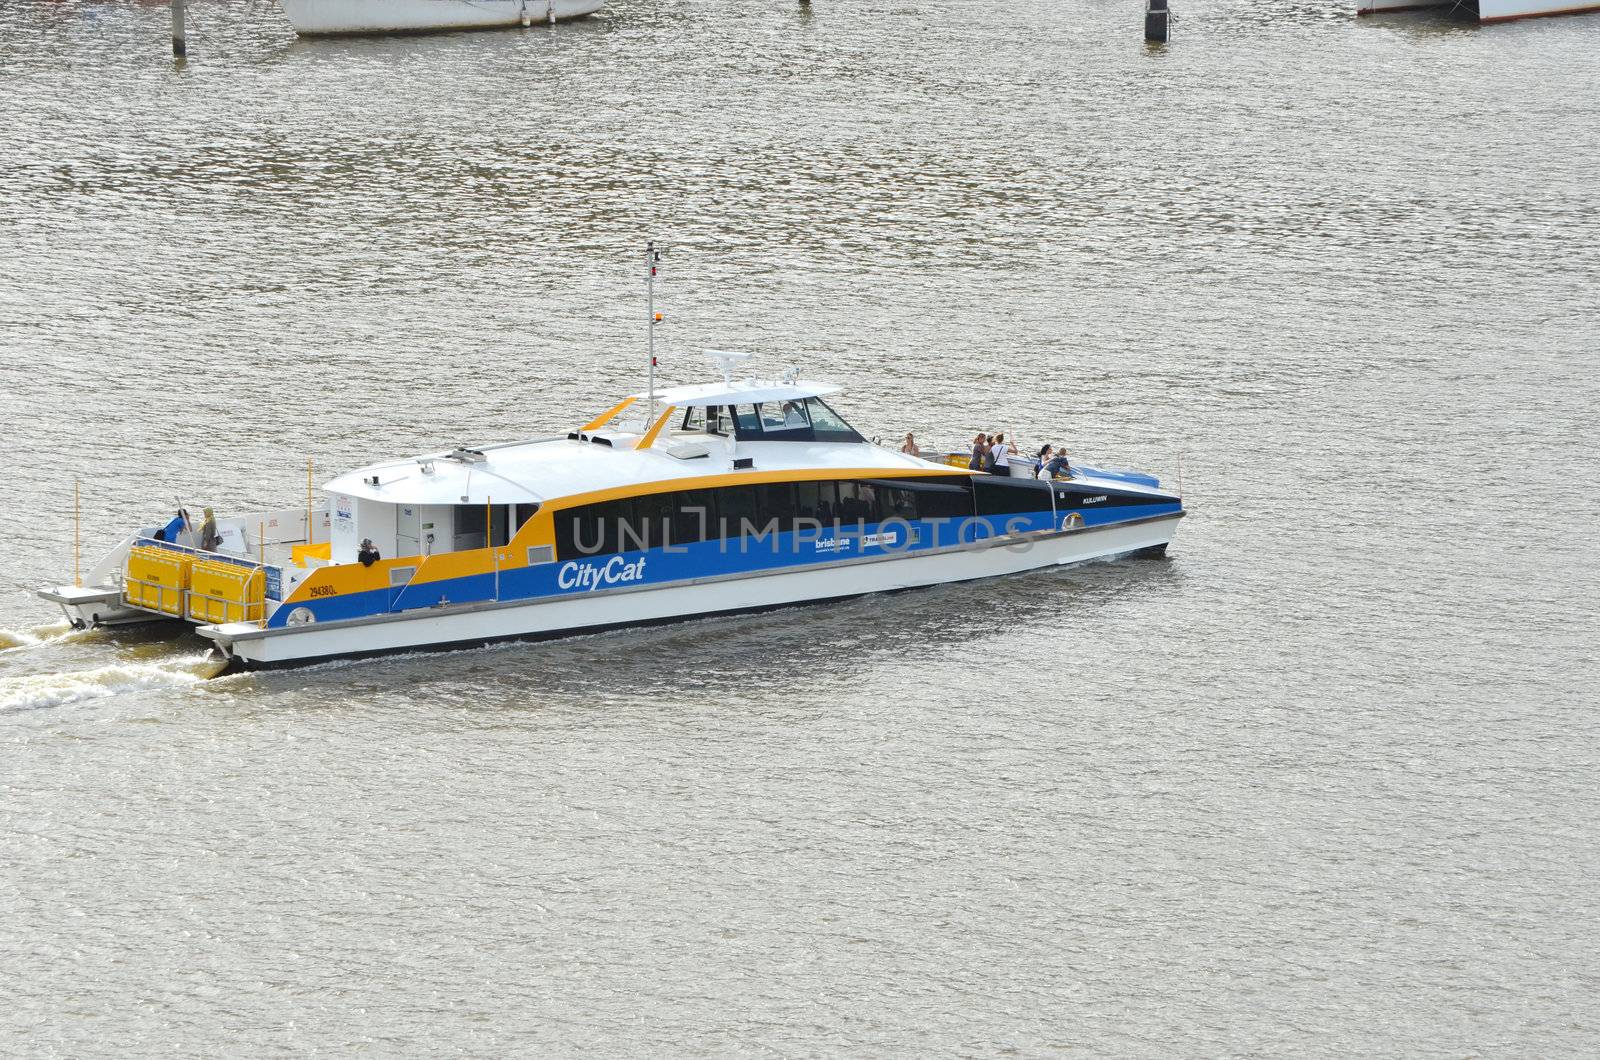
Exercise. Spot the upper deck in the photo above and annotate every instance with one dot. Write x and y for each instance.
(696, 432)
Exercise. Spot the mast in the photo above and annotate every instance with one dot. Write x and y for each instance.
(652, 257)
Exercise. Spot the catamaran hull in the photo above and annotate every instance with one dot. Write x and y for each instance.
(471, 625)
(327, 17)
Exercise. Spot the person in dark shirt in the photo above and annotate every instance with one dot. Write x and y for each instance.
(368, 554)
(1058, 466)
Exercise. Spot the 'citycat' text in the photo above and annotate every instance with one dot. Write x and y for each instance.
(592, 576)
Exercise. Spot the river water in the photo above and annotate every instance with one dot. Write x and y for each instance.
(1323, 782)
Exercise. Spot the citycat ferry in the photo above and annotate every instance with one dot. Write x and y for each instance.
(731, 496)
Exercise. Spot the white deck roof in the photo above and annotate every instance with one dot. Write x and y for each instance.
(552, 468)
(740, 392)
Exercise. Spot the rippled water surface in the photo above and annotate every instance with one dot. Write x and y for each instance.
(1323, 782)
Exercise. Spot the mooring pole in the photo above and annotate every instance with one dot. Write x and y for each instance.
(77, 533)
(1155, 21)
(651, 259)
(180, 45)
(311, 533)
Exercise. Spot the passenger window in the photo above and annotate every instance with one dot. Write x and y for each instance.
(853, 505)
(630, 532)
(898, 503)
(808, 501)
(777, 504)
(749, 421)
(694, 514)
(579, 532)
(653, 515)
(695, 418)
(718, 421)
(736, 505)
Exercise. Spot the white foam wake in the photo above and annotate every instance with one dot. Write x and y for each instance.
(35, 691)
(26, 638)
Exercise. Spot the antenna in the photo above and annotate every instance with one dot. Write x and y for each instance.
(727, 360)
(652, 258)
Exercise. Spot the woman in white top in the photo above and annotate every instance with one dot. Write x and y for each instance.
(910, 448)
(1002, 455)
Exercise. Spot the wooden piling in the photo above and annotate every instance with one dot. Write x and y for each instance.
(180, 43)
(1155, 21)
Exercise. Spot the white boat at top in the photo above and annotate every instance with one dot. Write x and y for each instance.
(1485, 10)
(718, 498)
(319, 17)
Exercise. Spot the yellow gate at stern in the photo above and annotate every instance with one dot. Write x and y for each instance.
(157, 579)
(226, 592)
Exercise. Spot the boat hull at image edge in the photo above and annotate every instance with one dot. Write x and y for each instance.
(1488, 10)
(335, 17)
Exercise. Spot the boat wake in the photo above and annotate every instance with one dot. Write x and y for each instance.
(37, 634)
(39, 691)
(18, 638)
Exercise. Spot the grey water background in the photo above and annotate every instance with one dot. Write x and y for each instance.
(1323, 782)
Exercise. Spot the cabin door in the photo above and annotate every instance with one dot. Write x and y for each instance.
(408, 531)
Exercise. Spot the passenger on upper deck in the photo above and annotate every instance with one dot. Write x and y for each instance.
(1057, 467)
(910, 448)
(1002, 451)
(368, 553)
(980, 454)
(209, 537)
(1041, 460)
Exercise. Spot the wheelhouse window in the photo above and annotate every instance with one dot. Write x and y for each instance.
(827, 425)
(780, 416)
(797, 420)
(747, 418)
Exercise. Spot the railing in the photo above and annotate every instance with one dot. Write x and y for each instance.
(259, 608)
(248, 609)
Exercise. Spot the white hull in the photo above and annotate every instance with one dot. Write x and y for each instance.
(312, 17)
(1488, 10)
(1505, 10)
(1369, 7)
(557, 616)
